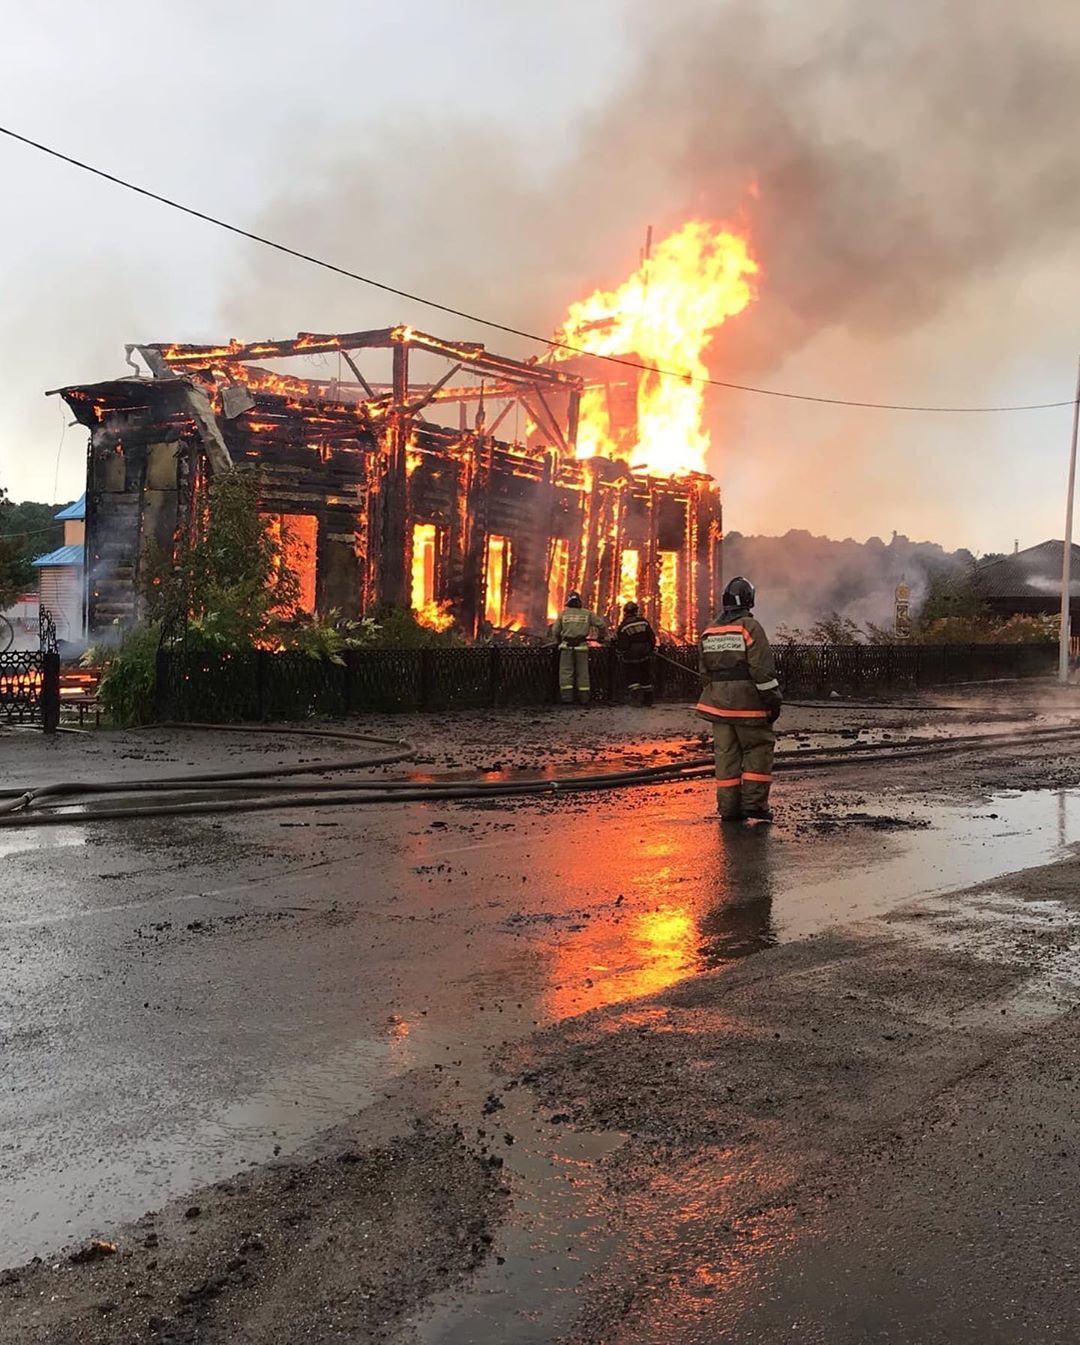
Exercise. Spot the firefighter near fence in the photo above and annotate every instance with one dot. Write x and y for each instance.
(573, 627)
(741, 699)
(635, 643)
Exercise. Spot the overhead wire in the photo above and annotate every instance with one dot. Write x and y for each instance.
(33, 532)
(550, 342)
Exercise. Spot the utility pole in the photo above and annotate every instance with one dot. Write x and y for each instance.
(1066, 554)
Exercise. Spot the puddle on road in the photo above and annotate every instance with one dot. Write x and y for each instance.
(958, 848)
(560, 1227)
(16, 842)
(683, 896)
(755, 887)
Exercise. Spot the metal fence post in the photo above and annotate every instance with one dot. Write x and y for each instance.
(425, 678)
(50, 692)
(161, 687)
(494, 669)
(260, 685)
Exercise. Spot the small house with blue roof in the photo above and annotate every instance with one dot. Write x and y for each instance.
(62, 575)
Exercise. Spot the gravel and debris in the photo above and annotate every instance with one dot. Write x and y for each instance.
(340, 1247)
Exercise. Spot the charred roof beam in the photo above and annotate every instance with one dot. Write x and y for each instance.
(470, 353)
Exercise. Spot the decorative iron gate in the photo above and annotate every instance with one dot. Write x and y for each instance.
(30, 680)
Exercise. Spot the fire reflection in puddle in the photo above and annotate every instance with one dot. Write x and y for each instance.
(638, 952)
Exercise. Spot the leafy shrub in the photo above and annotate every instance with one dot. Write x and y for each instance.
(129, 673)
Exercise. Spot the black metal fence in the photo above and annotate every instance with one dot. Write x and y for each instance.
(30, 680)
(268, 686)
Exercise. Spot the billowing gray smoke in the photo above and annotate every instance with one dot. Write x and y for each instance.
(801, 578)
(909, 178)
(900, 150)
(896, 151)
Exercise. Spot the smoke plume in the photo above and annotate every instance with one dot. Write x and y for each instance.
(801, 578)
(909, 179)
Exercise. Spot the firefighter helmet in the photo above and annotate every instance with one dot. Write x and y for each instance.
(739, 594)
(574, 600)
(631, 609)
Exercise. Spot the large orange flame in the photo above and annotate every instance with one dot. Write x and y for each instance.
(426, 609)
(664, 316)
(669, 590)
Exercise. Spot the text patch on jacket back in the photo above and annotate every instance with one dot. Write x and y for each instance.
(730, 642)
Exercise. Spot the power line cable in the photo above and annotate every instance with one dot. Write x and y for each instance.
(59, 450)
(36, 532)
(504, 327)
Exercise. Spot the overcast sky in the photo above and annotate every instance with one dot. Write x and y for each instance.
(917, 235)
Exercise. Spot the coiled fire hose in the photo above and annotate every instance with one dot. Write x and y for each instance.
(266, 790)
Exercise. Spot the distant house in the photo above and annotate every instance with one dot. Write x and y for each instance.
(1028, 582)
(61, 576)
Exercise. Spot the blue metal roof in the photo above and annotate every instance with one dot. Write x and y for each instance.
(73, 511)
(63, 555)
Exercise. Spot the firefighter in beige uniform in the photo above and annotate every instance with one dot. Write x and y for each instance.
(742, 700)
(571, 633)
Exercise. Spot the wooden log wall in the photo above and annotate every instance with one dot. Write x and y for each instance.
(367, 484)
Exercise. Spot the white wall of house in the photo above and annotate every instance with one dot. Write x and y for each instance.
(61, 590)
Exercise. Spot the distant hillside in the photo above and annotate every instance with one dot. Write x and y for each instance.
(801, 577)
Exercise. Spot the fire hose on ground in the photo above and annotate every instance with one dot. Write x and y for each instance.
(266, 789)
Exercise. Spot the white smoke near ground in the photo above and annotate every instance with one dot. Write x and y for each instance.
(801, 578)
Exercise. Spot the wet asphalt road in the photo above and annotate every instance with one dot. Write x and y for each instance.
(179, 1001)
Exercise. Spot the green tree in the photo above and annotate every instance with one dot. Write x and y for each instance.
(10, 559)
(951, 594)
(26, 530)
(230, 581)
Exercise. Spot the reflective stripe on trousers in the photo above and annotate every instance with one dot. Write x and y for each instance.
(573, 671)
(744, 757)
(717, 713)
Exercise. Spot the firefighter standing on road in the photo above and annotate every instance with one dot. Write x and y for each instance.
(571, 633)
(635, 640)
(742, 701)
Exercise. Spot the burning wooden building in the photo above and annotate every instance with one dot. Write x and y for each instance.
(453, 484)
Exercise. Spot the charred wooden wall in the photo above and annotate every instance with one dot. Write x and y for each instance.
(330, 482)
(368, 484)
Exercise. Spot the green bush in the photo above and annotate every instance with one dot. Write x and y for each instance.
(128, 678)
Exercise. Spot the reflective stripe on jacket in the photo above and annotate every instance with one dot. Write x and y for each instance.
(739, 670)
(574, 623)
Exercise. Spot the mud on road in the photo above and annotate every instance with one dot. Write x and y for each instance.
(583, 1071)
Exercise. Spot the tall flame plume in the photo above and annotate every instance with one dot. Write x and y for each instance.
(664, 316)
